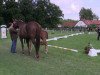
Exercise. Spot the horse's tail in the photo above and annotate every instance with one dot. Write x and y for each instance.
(37, 42)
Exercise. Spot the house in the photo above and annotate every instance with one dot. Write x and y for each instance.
(69, 24)
(81, 24)
(86, 23)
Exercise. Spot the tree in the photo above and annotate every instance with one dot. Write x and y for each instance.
(26, 8)
(47, 14)
(86, 14)
(69, 20)
(95, 17)
(11, 11)
(1, 11)
(41, 11)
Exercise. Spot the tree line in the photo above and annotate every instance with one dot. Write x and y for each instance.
(87, 14)
(41, 11)
(84, 14)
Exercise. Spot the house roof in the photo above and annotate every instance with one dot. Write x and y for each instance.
(69, 24)
(89, 22)
(81, 24)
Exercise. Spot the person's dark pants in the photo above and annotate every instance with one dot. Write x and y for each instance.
(13, 46)
(98, 36)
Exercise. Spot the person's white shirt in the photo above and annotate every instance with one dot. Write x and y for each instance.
(93, 52)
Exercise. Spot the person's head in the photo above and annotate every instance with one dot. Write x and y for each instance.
(98, 27)
(87, 49)
(15, 24)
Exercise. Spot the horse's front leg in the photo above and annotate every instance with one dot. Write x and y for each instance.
(22, 45)
(45, 44)
(46, 48)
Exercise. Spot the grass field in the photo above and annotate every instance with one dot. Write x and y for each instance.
(56, 62)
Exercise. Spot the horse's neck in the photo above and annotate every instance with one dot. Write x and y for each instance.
(22, 25)
(22, 28)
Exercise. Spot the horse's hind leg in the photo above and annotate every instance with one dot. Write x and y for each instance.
(29, 45)
(22, 45)
(37, 46)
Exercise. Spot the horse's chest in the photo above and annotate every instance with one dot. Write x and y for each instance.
(22, 34)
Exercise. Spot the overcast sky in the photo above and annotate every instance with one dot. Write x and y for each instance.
(71, 8)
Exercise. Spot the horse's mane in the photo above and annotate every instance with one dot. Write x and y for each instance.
(21, 23)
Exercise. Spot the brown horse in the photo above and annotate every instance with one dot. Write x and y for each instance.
(43, 37)
(30, 32)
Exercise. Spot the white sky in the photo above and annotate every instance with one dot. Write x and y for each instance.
(71, 8)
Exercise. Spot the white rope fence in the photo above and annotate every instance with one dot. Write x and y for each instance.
(66, 36)
(63, 48)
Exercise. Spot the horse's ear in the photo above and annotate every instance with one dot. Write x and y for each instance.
(20, 20)
(14, 20)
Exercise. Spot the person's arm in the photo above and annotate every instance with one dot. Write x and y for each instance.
(13, 30)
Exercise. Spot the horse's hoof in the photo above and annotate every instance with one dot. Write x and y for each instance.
(37, 56)
(29, 53)
(22, 52)
(46, 52)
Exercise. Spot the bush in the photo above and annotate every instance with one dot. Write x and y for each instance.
(1, 20)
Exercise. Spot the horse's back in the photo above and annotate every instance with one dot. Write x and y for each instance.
(33, 24)
(33, 29)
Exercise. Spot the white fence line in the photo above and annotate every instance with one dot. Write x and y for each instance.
(66, 36)
(63, 48)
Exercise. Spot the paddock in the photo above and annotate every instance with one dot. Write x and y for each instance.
(56, 62)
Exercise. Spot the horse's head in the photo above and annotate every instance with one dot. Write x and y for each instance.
(17, 23)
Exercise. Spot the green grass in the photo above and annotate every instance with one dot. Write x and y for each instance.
(56, 62)
(53, 33)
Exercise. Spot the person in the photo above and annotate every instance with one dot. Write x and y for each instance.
(14, 35)
(87, 48)
(91, 51)
(98, 32)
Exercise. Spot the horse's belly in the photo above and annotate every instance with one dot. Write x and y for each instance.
(22, 36)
